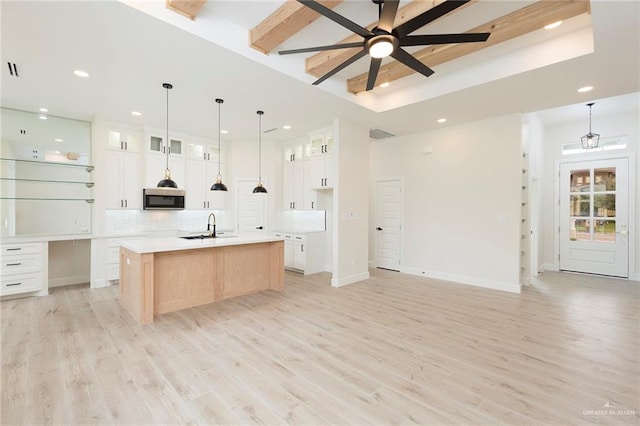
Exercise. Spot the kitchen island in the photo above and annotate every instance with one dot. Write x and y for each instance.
(160, 275)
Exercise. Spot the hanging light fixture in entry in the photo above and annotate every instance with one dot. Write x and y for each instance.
(590, 140)
(219, 186)
(167, 182)
(260, 189)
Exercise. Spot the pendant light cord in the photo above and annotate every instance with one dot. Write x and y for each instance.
(219, 101)
(168, 144)
(260, 146)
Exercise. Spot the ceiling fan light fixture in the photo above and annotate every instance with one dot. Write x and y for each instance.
(590, 140)
(381, 46)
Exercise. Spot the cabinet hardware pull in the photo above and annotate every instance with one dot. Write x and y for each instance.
(14, 264)
(126, 146)
(14, 249)
(204, 155)
(163, 150)
(312, 205)
(302, 248)
(10, 285)
(204, 204)
(378, 229)
(121, 145)
(121, 204)
(126, 203)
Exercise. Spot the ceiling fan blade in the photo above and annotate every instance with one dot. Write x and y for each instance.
(428, 16)
(340, 67)
(389, 10)
(321, 48)
(403, 56)
(373, 72)
(428, 39)
(339, 19)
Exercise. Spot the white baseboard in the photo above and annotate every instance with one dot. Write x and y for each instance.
(75, 279)
(339, 282)
(634, 277)
(462, 279)
(372, 264)
(328, 268)
(550, 267)
(100, 283)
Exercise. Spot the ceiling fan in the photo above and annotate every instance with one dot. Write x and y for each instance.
(384, 40)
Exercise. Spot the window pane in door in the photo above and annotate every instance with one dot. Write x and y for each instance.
(605, 231)
(604, 205)
(579, 230)
(604, 179)
(579, 205)
(580, 180)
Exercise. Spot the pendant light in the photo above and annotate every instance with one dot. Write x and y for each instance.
(259, 189)
(219, 186)
(590, 140)
(167, 182)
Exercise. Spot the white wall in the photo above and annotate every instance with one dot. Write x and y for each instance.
(558, 135)
(351, 203)
(461, 202)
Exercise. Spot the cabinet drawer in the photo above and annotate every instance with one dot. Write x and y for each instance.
(12, 265)
(21, 283)
(113, 271)
(28, 248)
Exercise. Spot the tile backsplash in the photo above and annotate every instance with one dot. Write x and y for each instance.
(300, 221)
(141, 221)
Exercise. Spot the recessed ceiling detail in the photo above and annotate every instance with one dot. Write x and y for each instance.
(379, 134)
(503, 28)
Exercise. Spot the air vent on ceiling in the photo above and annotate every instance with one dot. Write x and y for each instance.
(379, 134)
(13, 69)
(270, 130)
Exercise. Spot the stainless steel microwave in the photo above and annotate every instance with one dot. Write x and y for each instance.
(163, 199)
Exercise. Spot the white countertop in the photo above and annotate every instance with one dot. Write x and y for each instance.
(43, 238)
(155, 245)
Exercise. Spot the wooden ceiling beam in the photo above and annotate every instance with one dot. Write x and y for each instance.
(188, 8)
(286, 21)
(515, 24)
(322, 62)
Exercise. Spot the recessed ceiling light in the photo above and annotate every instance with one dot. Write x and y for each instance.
(81, 73)
(585, 89)
(385, 84)
(42, 117)
(553, 25)
(44, 110)
(57, 140)
(56, 152)
(442, 120)
(136, 113)
(286, 127)
(224, 132)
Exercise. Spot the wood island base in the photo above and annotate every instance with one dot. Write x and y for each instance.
(156, 283)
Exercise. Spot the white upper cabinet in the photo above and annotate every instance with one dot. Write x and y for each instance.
(156, 143)
(201, 171)
(321, 161)
(123, 138)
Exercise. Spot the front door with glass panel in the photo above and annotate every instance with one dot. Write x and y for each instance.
(594, 210)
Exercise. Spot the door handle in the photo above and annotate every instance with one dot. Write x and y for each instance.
(259, 227)
(378, 229)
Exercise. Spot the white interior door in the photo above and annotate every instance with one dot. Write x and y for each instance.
(388, 223)
(594, 211)
(251, 209)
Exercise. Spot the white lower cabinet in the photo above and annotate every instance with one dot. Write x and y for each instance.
(304, 252)
(113, 257)
(24, 268)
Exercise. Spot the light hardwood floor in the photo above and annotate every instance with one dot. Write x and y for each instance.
(395, 349)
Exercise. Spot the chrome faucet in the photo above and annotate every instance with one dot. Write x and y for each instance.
(212, 232)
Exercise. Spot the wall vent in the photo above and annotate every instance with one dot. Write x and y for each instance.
(379, 134)
(13, 69)
(270, 130)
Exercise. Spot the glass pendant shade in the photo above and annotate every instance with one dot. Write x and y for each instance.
(259, 189)
(167, 182)
(218, 185)
(590, 140)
